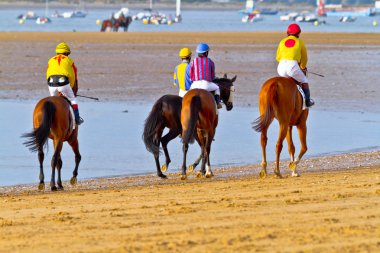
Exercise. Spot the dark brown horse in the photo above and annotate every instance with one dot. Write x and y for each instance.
(122, 21)
(166, 113)
(52, 119)
(199, 120)
(279, 98)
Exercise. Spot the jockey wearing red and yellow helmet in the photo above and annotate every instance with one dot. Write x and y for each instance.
(292, 58)
(61, 76)
(182, 72)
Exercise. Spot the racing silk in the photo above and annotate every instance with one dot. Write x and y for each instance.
(202, 68)
(292, 48)
(182, 76)
(62, 65)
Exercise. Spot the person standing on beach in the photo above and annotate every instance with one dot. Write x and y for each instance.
(61, 75)
(182, 72)
(292, 58)
(202, 73)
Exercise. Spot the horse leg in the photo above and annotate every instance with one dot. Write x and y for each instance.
(156, 154)
(195, 164)
(291, 149)
(41, 156)
(54, 161)
(302, 131)
(185, 148)
(264, 141)
(164, 141)
(281, 136)
(208, 166)
(75, 147)
(59, 167)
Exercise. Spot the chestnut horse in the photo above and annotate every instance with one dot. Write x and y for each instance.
(166, 113)
(120, 22)
(279, 98)
(52, 119)
(199, 120)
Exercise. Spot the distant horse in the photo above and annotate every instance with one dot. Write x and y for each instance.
(199, 120)
(122, 21)
(52, 119)
(166, 112)
(279, 98)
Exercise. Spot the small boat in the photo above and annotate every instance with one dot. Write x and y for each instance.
(347, 19)
(306, 18)
(252, 17)
(42, 20)
(289, 17)
(29, 15)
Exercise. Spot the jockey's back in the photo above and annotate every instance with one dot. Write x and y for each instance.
(64, 66)
(292, 48)
(202, 68)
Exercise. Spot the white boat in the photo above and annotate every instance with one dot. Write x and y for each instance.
(252, 17)
(149, 16)
(42, 20)
(289, 17)
(28, 15)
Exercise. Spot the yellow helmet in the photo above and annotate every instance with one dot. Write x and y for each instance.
(184, 53)
(62, 48)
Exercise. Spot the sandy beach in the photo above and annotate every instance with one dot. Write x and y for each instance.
(332, 207)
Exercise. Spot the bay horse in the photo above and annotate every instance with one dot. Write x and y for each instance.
(52, 119)
(279, 98)
(199, 120)
(166, 113)
(122, 21)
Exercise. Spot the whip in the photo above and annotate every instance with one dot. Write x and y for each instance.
(315, 74)
(94, 98)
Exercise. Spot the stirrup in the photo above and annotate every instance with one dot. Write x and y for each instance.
(79, 121)
(310, 103)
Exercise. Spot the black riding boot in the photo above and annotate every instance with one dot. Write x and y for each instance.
(217, 100)
(308, 101)
(78, 119)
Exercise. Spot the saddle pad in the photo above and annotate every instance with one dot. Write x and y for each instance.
(303, 97)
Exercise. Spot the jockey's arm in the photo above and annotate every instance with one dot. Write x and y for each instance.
(303, 61)
(75, 88)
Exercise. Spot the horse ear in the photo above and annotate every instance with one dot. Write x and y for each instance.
(225, 75)
(234, 78)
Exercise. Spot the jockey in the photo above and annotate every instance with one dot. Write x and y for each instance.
(292, 58)
(182, 72)
(61, 75)
(202, 72)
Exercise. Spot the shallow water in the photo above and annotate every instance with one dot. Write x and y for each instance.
(111, 144)
(193, 20)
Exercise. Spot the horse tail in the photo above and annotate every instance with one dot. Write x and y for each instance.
(268, 102)
(195, 105)
(152, 121)
(38, 137)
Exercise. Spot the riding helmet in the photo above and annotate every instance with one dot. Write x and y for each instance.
(184, 53)
(62, 48)
(202, 48)
(294, 29)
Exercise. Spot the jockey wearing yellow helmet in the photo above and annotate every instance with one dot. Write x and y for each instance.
(61, 75)
(292, 58)
(182, 72)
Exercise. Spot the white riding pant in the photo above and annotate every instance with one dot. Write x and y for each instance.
(290, 68)
(65, 90)
(205, 85)
(182, 93)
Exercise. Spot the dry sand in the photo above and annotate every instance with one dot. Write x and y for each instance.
(332, 208)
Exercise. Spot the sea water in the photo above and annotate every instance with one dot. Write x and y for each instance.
(110, 140)
(193, 20)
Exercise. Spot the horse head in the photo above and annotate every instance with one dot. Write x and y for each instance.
(227, 90)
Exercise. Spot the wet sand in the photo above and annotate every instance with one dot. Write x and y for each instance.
(333, 207)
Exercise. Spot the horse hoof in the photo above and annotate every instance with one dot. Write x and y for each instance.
(295, 174)
(292, 166)
(209, 175)
(164, 168)
(183, 177)
(41, 186)
(190, 168)
(73, 181)
(60, 188)
(199, 175)
(278, 175)
(54, 188)
(262, 174)
(163, 176)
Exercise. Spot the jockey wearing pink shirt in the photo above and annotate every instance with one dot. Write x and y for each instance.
(202, 73)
